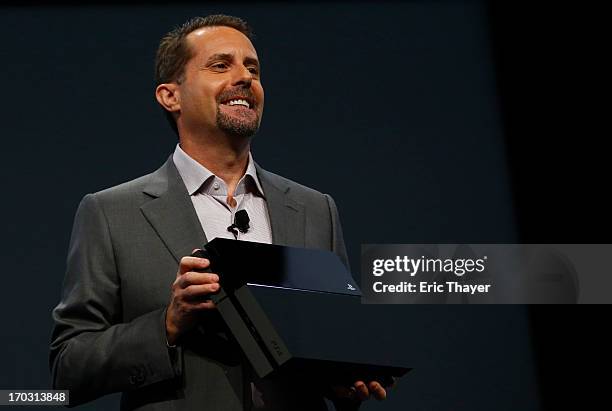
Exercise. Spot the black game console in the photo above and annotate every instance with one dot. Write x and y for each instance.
(297, 311)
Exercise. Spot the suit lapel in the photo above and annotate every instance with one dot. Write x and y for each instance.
(172, 215)
(171, 212)
(287, 217)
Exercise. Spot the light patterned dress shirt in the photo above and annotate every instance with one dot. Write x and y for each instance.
(209, 197)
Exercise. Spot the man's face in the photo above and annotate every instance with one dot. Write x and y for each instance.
(221, 87)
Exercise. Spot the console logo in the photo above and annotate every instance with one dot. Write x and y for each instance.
(349, 286)
(277, 348)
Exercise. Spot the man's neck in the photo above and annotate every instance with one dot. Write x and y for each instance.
(227, 161)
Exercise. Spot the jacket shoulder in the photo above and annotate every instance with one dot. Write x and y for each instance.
(124, 190)
(139, 189)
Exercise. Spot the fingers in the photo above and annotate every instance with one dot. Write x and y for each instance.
(190, 271)
(192, 288)
(204, 305)
(377, 390)
(197, 292)
(189, 263)
(190, 292)
(191, 278)
(361, 391)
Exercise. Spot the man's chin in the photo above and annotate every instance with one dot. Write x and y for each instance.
(236, 127)
(239, 130)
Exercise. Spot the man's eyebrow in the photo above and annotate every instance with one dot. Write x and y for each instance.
(219, 56)
(251, 60)
(229, 56)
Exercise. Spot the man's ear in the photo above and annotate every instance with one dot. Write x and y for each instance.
(168, 95)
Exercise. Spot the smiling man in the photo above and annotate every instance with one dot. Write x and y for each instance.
(134, 315)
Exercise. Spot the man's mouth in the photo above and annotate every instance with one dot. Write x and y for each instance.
(239, 101)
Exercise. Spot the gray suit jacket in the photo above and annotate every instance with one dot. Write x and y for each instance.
(109, 333)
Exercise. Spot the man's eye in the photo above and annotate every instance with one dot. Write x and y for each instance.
(254, 70)
(219, 66)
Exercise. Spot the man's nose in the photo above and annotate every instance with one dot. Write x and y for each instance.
(242, 77)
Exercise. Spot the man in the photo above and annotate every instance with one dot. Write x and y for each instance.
(129, 320)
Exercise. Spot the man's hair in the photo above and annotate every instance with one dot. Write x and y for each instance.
(173, 52)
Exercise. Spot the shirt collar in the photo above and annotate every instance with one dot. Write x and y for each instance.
(195, 175)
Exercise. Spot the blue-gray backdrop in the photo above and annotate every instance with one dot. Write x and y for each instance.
(393, 108)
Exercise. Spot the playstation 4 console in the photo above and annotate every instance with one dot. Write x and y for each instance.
(296, 311)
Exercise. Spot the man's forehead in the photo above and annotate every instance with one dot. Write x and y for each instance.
(220, 40)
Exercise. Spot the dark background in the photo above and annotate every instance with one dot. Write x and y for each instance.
(427, 121)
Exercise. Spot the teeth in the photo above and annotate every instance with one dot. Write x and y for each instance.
(239, 102)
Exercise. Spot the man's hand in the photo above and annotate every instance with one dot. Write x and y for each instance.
(190, 293)
(363, 390)
(360, 391)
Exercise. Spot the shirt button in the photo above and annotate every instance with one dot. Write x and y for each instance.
(216, 185)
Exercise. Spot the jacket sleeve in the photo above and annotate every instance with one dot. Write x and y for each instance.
(338, 245)
(92, 351)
